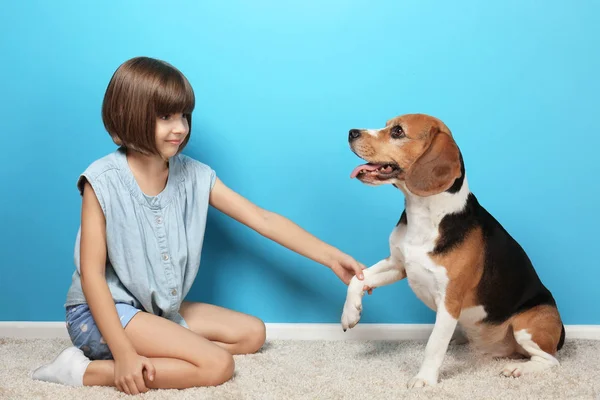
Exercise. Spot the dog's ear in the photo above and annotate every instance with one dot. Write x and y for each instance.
(436, 169)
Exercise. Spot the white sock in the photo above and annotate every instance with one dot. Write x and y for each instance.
(67, 368)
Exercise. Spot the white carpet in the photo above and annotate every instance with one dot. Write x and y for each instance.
(285, 370)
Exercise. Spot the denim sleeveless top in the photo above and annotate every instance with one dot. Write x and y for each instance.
(154, 243)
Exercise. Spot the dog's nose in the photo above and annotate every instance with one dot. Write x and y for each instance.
(353, 134)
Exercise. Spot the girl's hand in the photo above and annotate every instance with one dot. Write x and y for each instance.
(129, 373)
(346, 267)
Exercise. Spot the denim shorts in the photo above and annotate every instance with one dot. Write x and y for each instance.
(85, 334)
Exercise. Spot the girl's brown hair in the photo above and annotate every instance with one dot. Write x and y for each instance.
(141, 90)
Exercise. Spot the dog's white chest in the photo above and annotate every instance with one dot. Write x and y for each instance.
(426, 279)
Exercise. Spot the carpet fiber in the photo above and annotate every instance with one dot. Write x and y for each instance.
(285, 370)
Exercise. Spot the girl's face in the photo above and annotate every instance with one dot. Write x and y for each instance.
(171, 130)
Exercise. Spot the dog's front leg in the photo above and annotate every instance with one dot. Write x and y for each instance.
(436, 348)
(383, 273)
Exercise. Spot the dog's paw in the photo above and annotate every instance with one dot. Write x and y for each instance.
(516, 370)
(512, 370)
(421, 381)
(351, 313)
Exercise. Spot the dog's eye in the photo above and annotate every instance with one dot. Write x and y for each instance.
(397, 132)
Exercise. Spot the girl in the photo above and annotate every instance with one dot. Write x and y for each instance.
(138, 249)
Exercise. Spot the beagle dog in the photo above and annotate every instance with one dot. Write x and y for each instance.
(457, 258)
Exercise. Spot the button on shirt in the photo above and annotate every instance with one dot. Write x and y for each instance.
(154, 243)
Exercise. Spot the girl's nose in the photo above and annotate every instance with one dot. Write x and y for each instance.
(181, 126)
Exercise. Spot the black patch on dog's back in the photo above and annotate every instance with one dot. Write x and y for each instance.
(509, 284)
(454, 228)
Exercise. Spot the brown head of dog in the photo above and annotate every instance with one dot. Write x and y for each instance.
(412, 151)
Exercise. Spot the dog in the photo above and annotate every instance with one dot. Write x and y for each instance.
(457, 257)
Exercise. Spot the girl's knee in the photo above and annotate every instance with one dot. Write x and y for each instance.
(255, 336)
(218, 370)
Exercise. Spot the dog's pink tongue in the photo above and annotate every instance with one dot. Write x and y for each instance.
(364, 167)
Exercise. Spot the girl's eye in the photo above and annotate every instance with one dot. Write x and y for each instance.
(165, 117)
(397, 132)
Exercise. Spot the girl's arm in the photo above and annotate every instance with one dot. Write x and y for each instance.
(284, 232)
(128, 372)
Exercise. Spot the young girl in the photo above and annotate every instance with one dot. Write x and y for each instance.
(138, 249)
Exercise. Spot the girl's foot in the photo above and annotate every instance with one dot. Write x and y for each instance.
(67, 368)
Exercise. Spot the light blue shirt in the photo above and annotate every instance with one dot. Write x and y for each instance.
(154, 243)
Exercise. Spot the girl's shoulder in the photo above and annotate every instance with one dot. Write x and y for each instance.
(191, 163)
(104, 164)
(195, 169)
(105, 167)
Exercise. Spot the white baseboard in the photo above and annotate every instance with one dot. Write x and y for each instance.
(33, 330)
(359, 332)
(276, 331)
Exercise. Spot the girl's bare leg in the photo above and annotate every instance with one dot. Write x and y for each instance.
(236, 332)
(182, 359)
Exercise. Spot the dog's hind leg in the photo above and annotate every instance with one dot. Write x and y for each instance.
(540, 334)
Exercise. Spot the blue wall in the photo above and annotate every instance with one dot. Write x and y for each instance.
(278, 85)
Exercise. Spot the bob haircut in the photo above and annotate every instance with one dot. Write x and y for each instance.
(141, 90)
